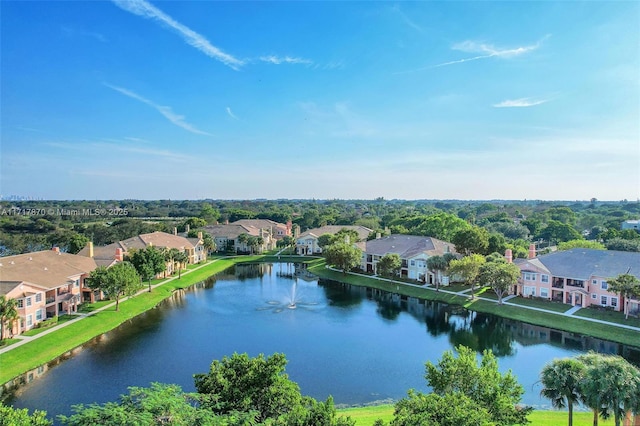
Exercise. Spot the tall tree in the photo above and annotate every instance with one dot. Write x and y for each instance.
(181, 259)
(389, 265)
(562, 380)
(500, 276)
(241, 383)
(149, 262)
(119, 280)
(10, 416)
(8, 314)
(498, 393)
(618, 385)
(344, 256)
(627, 287)
(468, 269)
(450, 409)
(471, 240)
(437, 264)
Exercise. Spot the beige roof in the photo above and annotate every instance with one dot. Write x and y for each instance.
(363, 231)
(231, 231)
(47, 268)
(105, 255)
(259, 223)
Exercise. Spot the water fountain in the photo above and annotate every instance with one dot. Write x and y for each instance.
(292, 299)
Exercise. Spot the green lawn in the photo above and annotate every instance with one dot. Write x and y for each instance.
(611, 316)
(575, 325)
(365, 416)
(61, 320)
(543, 304)
(48, 347)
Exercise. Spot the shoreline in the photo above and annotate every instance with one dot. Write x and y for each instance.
(18, 359)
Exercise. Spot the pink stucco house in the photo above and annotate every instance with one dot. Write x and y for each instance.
(578, 277)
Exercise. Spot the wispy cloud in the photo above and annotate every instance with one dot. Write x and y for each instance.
(277, 60)
(120, 147)
(72, 32)
(231, 114)
(166, 111)
(519, 103)
(192, 38)
(406, 19)
(484, 51)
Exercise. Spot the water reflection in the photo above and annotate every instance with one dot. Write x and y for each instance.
(356, 343)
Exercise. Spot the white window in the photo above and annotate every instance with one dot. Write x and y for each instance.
(29, 320)
(28, 301)
(529, 290)
(594, 282)
(39, 315)
(20, 303)
(544, 292)
(544, 278)
(77, 283)
(38, 297)
(413, 263)
(594, 296)
(604, 285)
(614, 302)
(603, 300)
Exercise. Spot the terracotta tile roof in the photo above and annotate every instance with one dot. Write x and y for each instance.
(231, 231)
(47, 268)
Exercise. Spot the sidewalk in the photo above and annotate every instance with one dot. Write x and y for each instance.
(26, 339)
(569, 312)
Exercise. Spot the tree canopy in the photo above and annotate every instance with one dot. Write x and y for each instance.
(119, 280)
(343, 256)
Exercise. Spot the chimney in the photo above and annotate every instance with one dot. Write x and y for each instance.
(200, 235)
(289, 226)
(90, 248)
(56, 249)
(347, 239)
(532, 251)
(226, 222)
(175, 231)
(508, 254)
(119, 255)
(187, 228)
(378, 235)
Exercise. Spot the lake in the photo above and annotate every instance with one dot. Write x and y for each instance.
(359, 345)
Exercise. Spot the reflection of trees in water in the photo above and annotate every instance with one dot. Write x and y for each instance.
(388, 308)
(342, 295)
(485, 332)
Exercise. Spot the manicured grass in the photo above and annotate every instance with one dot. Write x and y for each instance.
(543, 304)
(365, 416)
(85, 308)
(61, 320)
(575, 325)
(612, 316)
(46, 348)
(8, 342)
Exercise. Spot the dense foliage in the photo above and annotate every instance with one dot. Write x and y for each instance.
(35, 225)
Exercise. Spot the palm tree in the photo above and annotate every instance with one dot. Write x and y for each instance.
(627, 287)
(561, 379)
(590, 389)
(8, 314)
(170, 255)
(182, 258)
(437, 264)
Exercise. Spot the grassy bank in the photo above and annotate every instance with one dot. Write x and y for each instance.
(49, 347)
(366, 416)
(566, 323)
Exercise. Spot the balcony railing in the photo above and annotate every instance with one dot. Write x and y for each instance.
(557, 284)
(50, 300)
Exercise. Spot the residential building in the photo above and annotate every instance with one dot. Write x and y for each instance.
(44, 284)
(631, 224)
(275, 229)
(413, 251)
(307, 242)
(227, 237)
(116, 252)
(577, 277)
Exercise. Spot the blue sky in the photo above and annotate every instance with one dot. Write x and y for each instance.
(242, 100)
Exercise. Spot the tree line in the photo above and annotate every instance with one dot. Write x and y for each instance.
(508, 224)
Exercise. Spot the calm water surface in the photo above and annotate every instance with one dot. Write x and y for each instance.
(353, 343)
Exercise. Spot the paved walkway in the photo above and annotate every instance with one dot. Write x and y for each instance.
(26, 339)
(505, 301)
